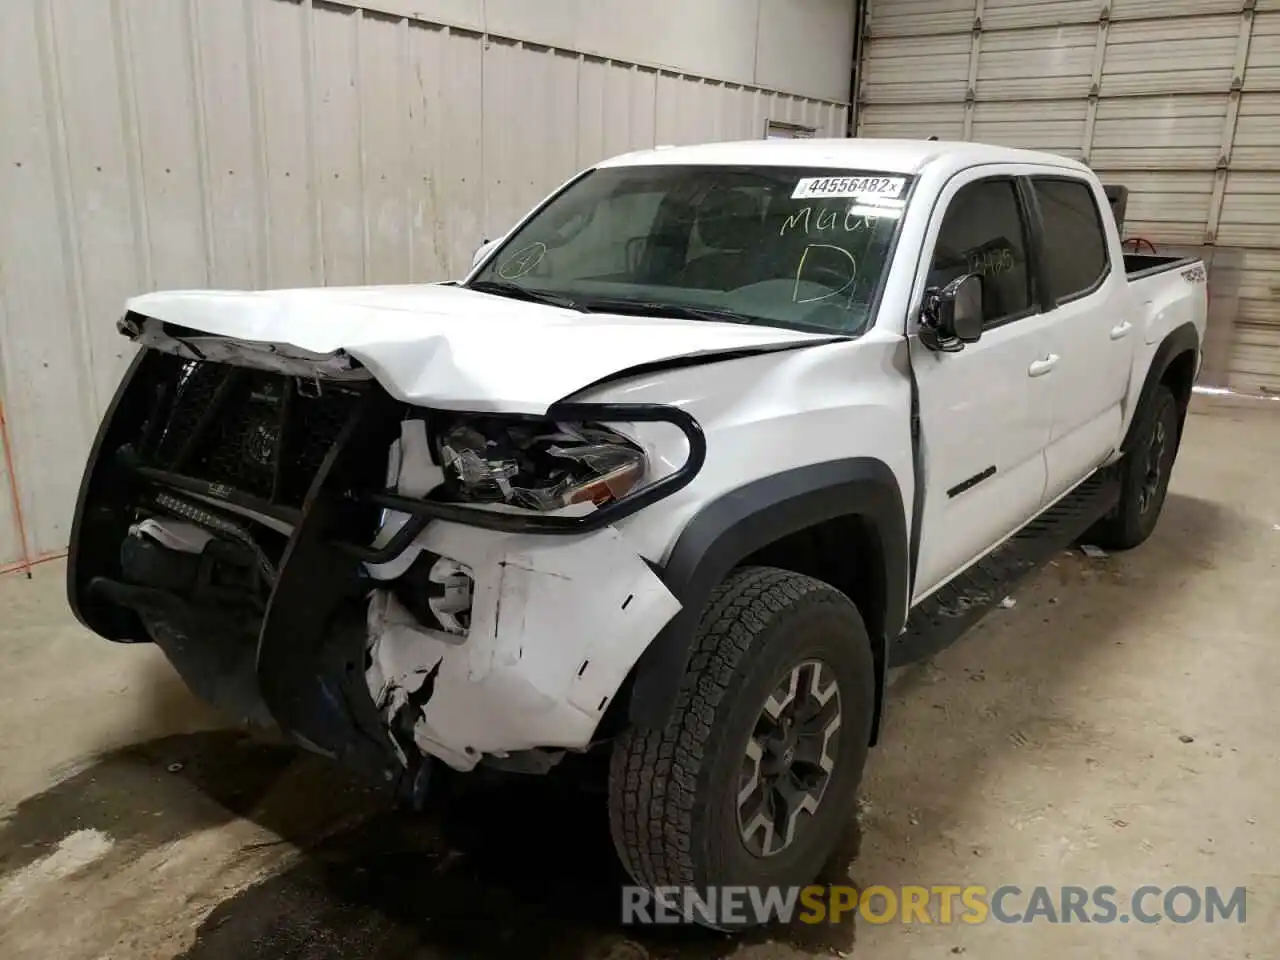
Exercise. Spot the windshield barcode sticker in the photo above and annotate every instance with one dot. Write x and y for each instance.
(817, 187)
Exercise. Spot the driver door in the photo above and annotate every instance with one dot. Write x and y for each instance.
(985, 412)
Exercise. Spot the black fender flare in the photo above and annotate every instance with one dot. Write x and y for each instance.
(1179, 340)
(737, 524)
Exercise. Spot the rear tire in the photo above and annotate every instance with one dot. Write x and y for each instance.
(1144, 476)
(753, 777)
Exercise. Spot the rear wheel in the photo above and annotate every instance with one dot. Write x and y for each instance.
(752, 779)
(1144, 476)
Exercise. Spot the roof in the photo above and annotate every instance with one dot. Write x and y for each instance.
(889, 156)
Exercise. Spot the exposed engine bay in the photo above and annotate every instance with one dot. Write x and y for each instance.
(231, 514)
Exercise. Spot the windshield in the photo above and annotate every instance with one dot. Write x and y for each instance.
(780, 246)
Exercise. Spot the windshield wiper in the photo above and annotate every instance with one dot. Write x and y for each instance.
(503, 288)
(685, 311)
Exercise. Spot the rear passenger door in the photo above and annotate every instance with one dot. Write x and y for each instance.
(985, 412)
(1093, 334)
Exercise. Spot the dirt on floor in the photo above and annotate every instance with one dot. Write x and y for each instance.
(1113, 727)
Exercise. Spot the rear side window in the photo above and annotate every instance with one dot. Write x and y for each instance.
(1075, 244)
(983, 232)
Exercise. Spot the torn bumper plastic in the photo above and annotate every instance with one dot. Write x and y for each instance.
(555, 625)
(500, 641)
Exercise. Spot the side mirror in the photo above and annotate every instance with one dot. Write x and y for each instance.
(952, 316)
(482, 252)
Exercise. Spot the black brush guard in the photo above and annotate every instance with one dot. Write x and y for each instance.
(277, 456)
(303, 464)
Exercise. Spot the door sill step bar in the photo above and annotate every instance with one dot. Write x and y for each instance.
(945, 616)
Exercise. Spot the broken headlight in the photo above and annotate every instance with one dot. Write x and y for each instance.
(537, 465)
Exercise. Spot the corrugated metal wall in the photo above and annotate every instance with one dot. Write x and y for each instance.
(250, 143)
(1179, 99)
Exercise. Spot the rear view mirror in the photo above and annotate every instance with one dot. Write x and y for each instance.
(952, 316)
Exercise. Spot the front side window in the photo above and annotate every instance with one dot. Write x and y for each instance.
(984, 232)
(801, 248)
(1075, 244)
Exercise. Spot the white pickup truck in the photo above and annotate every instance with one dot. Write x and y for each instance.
(714, 437)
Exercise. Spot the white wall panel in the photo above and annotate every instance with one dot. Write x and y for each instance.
(1255, 354)
(299, 154)
(1039, 63)
(226, 126)
(915, 121)
(804, 46)
(1058, 125)
(1257, 139)
(914, 69)
(904, 18)
(1157, 9)
(54, 201)
(800, 46)
(675, 34)
(1251, 210)
(1159, 133)
(1165, 208)
(555, 24)
(1010, 14)
(1263, 71)
(1177, 99)
(189, 143)
(339, 144)
(1176, 55)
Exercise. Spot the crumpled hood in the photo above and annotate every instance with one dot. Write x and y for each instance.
(439, 345)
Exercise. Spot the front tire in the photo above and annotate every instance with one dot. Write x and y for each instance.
(753, 777)
(1144, 476)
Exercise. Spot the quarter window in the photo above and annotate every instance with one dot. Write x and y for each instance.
(1075, 243)
(984, 232)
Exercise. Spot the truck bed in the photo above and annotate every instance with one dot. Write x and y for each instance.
(1140, 265)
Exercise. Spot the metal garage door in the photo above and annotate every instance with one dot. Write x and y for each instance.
(1179, 99)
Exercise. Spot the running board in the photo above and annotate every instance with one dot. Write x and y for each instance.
(941, 619)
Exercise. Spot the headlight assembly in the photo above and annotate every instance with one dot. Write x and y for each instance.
(537, 465)
(519, 474)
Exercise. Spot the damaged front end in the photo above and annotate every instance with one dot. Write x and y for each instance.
(374, 578)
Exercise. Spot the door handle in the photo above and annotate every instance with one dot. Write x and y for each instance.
(1121, 330)
(1040, 367)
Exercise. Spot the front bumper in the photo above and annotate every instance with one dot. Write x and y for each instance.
(327, 653)
(556, 625)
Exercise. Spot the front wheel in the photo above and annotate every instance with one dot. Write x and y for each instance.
(1144, 476)
(752, 779)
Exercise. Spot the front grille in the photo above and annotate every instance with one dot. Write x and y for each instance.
(190, 391)
(316, 424)
(240, 447)
(259, 433)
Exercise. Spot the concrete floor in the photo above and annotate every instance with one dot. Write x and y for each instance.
(1115, 727)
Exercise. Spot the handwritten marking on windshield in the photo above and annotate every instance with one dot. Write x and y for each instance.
(853, 219)
(520, 263)
(804, 258)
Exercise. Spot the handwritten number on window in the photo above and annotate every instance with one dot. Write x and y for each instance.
(991, 263)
